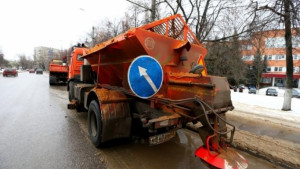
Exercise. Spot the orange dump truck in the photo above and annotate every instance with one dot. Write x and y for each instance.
(58, 72)
(151, 81)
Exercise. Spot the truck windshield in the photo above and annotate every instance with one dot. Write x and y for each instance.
(58, 62)
(79, 57)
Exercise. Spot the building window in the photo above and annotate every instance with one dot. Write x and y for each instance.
(279, 82)
(296, 57)
(250, 57)
(278, 69)
(279, 57)
(279, 42)
(268, 69)
(246, 47)
(296, 41)
(269, 57)
(266, 80)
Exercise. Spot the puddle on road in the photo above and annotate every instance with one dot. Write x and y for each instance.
(177, 153)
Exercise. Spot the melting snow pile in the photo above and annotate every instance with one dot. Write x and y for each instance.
(267, 107)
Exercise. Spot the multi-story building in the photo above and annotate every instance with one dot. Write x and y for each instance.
(42, 56)
(271, 44)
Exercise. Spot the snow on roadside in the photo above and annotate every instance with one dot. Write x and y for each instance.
(266, 106)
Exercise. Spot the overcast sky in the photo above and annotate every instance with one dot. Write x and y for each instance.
(26, 24)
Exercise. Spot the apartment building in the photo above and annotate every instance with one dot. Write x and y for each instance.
(43, 55)
(272, 45)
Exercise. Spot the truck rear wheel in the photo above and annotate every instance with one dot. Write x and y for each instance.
(95, 124)
(52, 80)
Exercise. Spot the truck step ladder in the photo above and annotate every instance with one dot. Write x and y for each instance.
(72, 104)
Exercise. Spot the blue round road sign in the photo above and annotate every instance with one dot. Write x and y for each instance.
(145, 76)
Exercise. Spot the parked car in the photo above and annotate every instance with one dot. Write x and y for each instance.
(234, 88)
(10, 72)
(251, 86)
(241, 86)
(296, 93)
(271, 92)
(241, 89)
(31, 71)
(39, 71)
(252, 90)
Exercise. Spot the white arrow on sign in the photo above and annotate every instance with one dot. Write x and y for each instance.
(146, 76)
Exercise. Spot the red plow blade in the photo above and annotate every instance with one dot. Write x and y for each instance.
(226, 159)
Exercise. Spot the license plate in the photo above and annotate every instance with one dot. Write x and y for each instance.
(160, 138)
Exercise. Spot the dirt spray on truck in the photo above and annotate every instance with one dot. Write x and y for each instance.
(152, 81)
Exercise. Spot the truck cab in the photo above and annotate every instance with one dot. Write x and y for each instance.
(58, 71)
(76, 61)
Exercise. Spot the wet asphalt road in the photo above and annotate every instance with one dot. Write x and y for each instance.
(38, 131)
(35, 130)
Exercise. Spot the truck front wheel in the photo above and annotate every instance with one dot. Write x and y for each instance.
(52, 80)
(71, 91)
(95, 123)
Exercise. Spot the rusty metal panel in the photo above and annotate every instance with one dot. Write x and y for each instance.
(222, 96)
(168, 51)
(115, 113)
(211, 89)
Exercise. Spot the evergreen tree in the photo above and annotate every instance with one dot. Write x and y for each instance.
(224, 59)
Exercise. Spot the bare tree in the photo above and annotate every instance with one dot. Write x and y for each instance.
(153, 8)
(107, 30)
(3, 61)
(25, 62)
(125, 23)
(209, 18)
